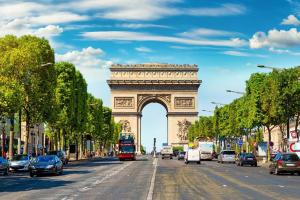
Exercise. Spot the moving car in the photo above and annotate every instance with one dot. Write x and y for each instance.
(285, 162)
(61, 155)
(246, 159)
(226, 156)
(206, 149)
(49, 164)
(181, 155)
(19, 162)
(4, 166)
(192, 155)
(167, 152)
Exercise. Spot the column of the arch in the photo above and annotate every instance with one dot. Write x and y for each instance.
(138, 134)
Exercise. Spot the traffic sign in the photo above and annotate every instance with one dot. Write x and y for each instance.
(240, 142)
(228, 146)
(295, 147)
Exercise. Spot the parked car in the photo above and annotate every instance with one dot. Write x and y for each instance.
(285, 162)
(4, 166)
(246, 159)
(19, 162)
(181, 155)
(49, 164)
(226, 156)
(192, 155)
(61, 155)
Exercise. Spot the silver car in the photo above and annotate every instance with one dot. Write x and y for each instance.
(19, 163)
(226, 156)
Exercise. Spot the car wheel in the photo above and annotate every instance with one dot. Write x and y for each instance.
(198, 162)
(171, 158)
(271, 172)
(218, 161)
(222, 162)
(242, 164)
(276, 171)
(186, 162)
(6, 172)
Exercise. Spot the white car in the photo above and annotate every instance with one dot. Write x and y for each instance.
(226, 156)
(192, 155)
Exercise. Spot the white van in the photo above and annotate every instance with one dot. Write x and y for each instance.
(192, 155)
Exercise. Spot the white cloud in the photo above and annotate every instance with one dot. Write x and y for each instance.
(49, 31)
(284, 51)
(86, 58)
(137, 26)
(199, 32)
(275, 38)
(291, 20)
(138, 36)
(224, 10)
(242, 54)
(143, 49)
(150, 9)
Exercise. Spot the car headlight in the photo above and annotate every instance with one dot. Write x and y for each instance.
(50, 166)
(32, 167)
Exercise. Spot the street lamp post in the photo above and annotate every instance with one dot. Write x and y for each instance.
(222, 104)
(232, 91)
(3, 138)
(32, 139)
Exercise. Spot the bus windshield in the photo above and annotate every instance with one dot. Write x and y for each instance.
(127, 149)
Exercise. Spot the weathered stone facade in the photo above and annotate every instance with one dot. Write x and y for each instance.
(173, 86)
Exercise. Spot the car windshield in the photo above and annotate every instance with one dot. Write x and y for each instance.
(52, 153)
(229, 152)
(127, 149)
(290, 157)
(45, 159)
(249, 155)
(20, 158)
(182, 153)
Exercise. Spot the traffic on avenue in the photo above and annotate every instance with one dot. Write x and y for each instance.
(152, 178)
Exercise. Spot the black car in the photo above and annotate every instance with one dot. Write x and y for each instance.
(61, 154)
(246, 159)
(4, 166)
(49, 164)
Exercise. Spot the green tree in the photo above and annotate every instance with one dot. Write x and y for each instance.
(28, 60)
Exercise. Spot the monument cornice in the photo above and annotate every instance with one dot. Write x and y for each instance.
(153, 82)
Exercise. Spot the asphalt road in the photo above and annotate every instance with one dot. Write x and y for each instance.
(212, 180)
(112, 179)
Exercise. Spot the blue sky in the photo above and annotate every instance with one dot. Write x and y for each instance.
(226, 39)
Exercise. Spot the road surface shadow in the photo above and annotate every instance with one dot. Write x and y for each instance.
(35, 183)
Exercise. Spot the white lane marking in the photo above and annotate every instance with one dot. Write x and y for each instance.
(84, 189)
(151, 189)
(246, 176)
(281, 186)
(224, 185)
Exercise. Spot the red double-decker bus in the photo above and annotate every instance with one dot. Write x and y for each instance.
(126, 147)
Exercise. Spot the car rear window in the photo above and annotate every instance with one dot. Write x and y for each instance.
(229, 152)
(249, 155)
(290, 157)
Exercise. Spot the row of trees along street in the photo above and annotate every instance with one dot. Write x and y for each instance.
(42, 91)
(270, 100)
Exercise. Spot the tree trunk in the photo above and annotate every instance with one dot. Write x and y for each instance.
(296, 125)
(58, 139)
(26, 148)
(76, 148)
(20, 131)
(11, 139)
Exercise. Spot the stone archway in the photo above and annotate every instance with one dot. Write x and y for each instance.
(173, 86)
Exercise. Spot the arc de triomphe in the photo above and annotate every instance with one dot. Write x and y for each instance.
(173, 86)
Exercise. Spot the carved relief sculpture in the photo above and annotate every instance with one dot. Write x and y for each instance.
(124, 102)
(183, 127)
(184, 102)
(165, 97)
(125, 124)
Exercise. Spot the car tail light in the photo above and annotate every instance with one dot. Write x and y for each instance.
(298, 163)
(279, 162)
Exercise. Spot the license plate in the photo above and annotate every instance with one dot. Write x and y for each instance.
(291, 165)
(249, 158)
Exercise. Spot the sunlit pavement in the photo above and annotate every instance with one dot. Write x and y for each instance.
(111, 179)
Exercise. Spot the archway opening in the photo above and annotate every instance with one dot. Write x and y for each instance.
(154, 124)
